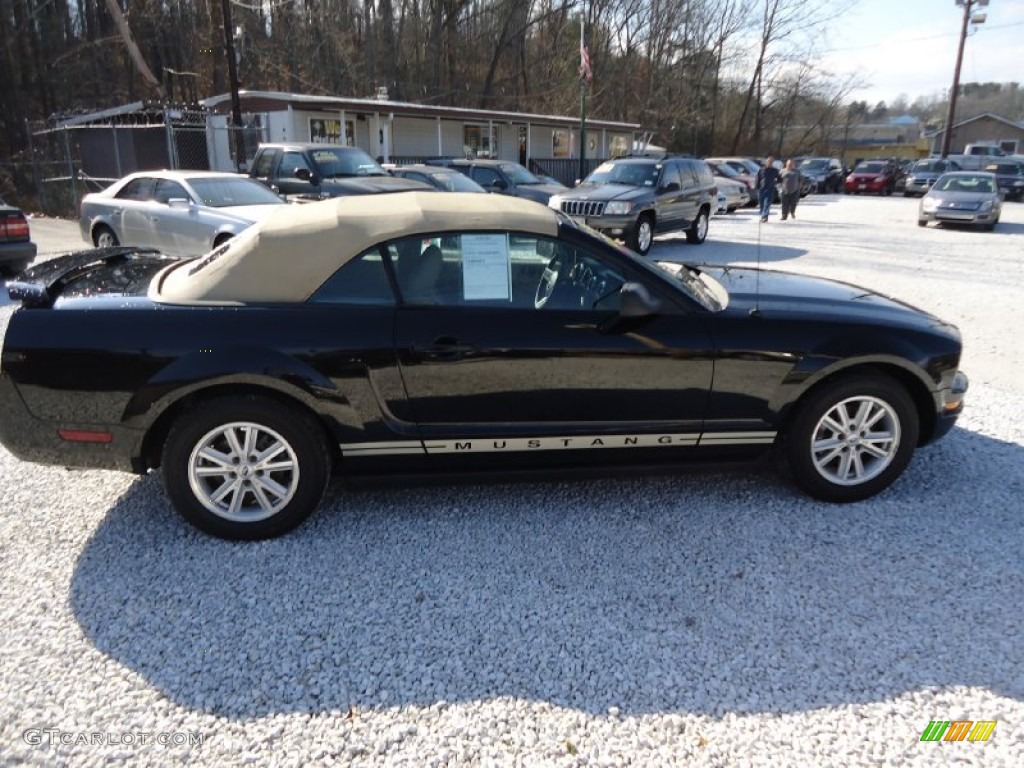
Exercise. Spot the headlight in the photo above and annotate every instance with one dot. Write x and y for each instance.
(930, 203)
(986, 205)
(1018, 183)
(617, 208)
(555, 202)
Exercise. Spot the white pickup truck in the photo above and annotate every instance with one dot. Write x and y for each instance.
(976, 156)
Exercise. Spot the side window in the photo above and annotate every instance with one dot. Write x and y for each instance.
(508, 270)
(166, 189)
(137, 189)
(290, 163)
(264, 164)
(485, 177)
(669, 175)
(362, 281)
(575, 278)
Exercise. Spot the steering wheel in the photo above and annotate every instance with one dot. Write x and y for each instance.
(548, 280)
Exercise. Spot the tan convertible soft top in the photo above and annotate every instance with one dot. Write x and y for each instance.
(289, 255)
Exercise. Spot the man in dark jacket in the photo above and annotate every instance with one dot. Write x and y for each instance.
(792, 180)
(767, 178)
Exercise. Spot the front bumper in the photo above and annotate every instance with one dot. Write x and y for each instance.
(613, 226)
(958, 216)
(950, 404)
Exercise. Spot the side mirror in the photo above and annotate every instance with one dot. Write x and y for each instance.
(636, 301)
(499, 184)
(306, 175)
(179, 202)
(672, 186)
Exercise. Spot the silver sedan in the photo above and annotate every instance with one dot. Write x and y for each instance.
(186, 213)
(962, 197)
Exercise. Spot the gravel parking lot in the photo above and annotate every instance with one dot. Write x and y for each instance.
(710, 619)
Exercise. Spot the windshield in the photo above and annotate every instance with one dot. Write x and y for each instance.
(454, 181)
(724, 169)
(704, 289)
(630, 174)
(870, 167)
(223, 192)
(519, 174)
(976, 184)
(814, 165)
(929, 166)
(333, 163)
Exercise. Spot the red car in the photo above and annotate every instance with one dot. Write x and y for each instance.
(876, 177)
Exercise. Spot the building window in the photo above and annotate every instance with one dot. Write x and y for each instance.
(328, 131)
(477, 143)
(559, 143)
(619, 146)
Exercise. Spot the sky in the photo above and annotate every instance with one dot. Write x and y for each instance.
(909, 47)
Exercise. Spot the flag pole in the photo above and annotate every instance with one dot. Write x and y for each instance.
(584, 70)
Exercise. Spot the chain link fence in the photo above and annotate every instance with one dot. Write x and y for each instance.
(66, 161)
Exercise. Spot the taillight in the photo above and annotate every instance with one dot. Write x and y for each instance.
(14, 228)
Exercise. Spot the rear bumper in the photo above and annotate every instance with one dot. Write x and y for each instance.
(17, 253)
(31, 439)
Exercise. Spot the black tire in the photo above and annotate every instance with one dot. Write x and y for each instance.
(643, 234)
(302, 467)
(895, 423)
(698, 230)
(104, 237)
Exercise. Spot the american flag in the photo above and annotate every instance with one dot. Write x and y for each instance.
(585, 72)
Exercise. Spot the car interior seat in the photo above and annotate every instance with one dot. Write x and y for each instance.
(421, 276)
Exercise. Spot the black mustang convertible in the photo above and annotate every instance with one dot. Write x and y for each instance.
(420, 331)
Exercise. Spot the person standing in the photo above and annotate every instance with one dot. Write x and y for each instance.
(792, 180)
(767, 178)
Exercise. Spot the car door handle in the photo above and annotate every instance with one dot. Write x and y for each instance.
(444, 348)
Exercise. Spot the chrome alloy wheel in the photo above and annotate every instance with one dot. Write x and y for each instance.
(855, 440)
(243, 472)
(644, 235)
(702, 227)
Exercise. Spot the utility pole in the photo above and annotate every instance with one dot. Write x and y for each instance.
(236, 103)
(968, 6)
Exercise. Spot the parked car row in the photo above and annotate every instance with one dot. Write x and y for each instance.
(629, 198)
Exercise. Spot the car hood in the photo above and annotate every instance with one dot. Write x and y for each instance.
(246, 213)
(962, 198)
(540, 193)
(784, 294)
(866, 176)
(609, 192)
(369, 185)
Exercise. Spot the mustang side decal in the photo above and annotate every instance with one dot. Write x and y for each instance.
(574, 442)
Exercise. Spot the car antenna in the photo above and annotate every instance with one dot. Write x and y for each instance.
(755, 311)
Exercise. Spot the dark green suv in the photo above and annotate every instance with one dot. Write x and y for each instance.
(632, 198)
